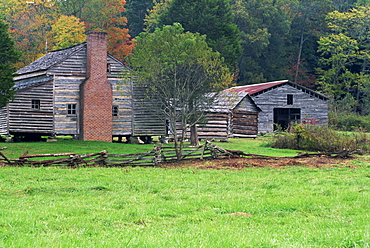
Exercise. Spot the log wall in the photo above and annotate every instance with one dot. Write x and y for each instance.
(244, 124)
(146, 120)
(24, 119)
(3, 121)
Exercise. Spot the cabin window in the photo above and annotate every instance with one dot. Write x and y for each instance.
(115, 111)
(35, 104)
(290, 99)
(71, 109)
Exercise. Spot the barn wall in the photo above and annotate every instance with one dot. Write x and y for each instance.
(3, 121)
(311, 106)
(24, 119)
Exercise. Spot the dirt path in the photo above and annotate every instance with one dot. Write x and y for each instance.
(241, 163)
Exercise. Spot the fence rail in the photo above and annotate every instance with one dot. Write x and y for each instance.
(155, 157)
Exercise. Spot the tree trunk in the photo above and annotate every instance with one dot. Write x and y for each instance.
(194, 141)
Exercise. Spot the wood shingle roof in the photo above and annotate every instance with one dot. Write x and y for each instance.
(50, 59)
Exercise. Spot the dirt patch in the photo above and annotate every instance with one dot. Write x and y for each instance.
(242, 163)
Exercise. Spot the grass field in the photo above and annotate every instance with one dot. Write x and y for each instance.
(182, 207)
(15, 150)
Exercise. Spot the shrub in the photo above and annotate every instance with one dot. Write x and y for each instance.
(349, 122)
(320, 138)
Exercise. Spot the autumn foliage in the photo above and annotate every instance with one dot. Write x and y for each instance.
(40, 26)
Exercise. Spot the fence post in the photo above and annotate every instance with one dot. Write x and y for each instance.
(158, 158)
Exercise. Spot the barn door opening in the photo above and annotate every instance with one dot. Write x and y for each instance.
(284, 116)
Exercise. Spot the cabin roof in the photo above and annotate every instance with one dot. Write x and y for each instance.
(227, 101)
(51, 59)
(256, 89)
(55, 57)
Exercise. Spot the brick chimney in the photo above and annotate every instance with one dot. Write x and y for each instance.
(96, 92)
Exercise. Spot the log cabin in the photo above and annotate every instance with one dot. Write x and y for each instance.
(74, 91)
(283, 102)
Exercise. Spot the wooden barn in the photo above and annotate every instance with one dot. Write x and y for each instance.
(282, 102)
(73, 91)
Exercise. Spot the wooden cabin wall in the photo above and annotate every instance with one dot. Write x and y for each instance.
(66, 91)
(311, 106)
(68, 77)
(216, 126)
(146, 121)
(3, 121)
(24, 119)
(122, 98)
(244, 124)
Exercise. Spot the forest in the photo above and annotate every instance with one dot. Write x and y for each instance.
(321, 44)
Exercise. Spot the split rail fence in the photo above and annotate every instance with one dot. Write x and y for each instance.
(155, 157)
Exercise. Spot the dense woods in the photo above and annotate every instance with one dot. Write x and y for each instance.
(321, 44)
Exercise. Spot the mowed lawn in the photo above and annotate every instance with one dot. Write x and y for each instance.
(292, 206)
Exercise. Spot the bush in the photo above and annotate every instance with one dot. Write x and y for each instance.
(349, 122)
(319, 138)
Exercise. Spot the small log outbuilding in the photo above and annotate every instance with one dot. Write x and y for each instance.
(283, 102)
(233, 114)
(74, 91)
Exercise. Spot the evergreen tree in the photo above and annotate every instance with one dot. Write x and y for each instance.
(8, 56)
(212, 18)
(136, 10)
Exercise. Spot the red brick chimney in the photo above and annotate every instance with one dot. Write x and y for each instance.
(96, 92)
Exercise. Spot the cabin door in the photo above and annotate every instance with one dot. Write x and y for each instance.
(284, 116)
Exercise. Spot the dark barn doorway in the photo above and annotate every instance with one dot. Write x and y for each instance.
(284, 116)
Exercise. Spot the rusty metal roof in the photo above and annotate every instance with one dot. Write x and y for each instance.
(252, 89)
(255, 89)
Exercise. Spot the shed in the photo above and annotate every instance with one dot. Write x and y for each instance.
(282, 102)
(234, 114)
(73, 91)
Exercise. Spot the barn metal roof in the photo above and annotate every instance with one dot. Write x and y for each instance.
(256, 89)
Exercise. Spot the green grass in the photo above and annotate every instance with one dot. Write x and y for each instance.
(182, 207)
(15, 150)
(185, 207)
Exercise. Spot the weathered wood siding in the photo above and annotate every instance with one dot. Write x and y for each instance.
(244, 124)
(216, 126)
(23, 118)
(66, 91)
(75, 65)
(312, 107)
(70, 74)
(244, 121)
(122, 98)
(146, 121)
(3, 121)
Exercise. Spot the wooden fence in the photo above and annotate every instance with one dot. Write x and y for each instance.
(155, 157)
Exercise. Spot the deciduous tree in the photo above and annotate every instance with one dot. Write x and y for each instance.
(178, 69)
(345, 56)
(68, 31)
